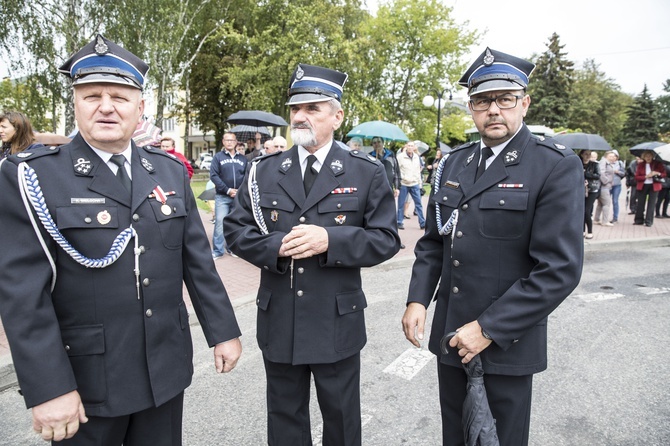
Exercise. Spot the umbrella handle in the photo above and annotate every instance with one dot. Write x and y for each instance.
(444, 342)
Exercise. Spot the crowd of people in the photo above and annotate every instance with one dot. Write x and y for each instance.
(501, 248)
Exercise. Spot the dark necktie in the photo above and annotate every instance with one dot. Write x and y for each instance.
(486, 154)
(121, 172)
(310, 174)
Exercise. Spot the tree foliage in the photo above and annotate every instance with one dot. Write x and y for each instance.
(641, 124)
(663, 109)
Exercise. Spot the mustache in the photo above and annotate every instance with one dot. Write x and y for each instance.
(301, 125)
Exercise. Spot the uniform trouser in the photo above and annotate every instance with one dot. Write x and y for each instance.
(156, 426)
(509, 398)
(337, 390)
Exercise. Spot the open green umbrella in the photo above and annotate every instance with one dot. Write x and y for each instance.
(386, 130)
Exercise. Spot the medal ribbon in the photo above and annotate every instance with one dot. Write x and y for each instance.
(160, 195)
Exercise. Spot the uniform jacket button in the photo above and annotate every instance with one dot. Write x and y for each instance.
(353, 307)
(146, 282)
(149, 313)
(465, 207)
(339, 205)
(142, 249)
(266, 268)
(274, 203)
(443, 198)
(455, 290)
(88, 219)
(459, 234)
(502, 202)
(302, 219)
(457, 263)
(338, 263)
(67, 348)
(299, 293)
(136, 217)
(301, 270)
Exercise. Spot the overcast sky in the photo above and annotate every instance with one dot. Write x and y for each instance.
(630, 40)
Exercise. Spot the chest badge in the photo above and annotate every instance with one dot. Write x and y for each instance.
(336, 166)
(510, 157)
(340, 219)
(83, 166)
(274, 215)
(286, 164)
(104, 217)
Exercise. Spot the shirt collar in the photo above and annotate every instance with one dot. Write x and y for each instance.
(320, 154)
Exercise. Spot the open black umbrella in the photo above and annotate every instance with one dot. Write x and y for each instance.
(583, 141)
(245, 132)
(652, 146)
(479, 426)
(257, 118)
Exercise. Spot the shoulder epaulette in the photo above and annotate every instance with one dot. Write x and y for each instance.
(37, 152)
(159, 151)
(267, 155)
(464, 146)
(364, 156)
(552, 144)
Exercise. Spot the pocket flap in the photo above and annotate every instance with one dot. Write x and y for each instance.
(277, 201)
(263, 298)
(175, 204)
(505, 200)
(351, 302)
(84, 340)
(87, 216)
(338, 203)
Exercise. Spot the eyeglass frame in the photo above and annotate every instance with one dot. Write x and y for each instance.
(495, 99)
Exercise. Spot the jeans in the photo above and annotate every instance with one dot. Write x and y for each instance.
(616, 191)
(223, 206)
(415, 193)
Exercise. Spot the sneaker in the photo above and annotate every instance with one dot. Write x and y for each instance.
(216, 256)
(608, 224)
(422, 227)
(402, 246)
(597, 222)
(233, 255)
(401, 226)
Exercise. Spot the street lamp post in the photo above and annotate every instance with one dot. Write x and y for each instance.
(429, 101)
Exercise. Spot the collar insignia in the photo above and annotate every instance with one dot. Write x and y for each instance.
(147, 165)
(511, 156)
(83, 166)
(472, 155)
(336, 166)
(286, 164)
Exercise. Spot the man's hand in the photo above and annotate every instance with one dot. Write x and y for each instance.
(470, 341)
(226, 355)
(413, 323)
(304, 241)
(232, 192)
(59, 418)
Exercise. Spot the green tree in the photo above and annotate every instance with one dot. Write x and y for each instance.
(663, 109)
(551, 87)
(641, 124)
(27, 96)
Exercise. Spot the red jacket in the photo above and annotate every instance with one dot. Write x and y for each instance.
(184, 161)
(641, 174)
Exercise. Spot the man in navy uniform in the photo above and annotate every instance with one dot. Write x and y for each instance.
(94, 259)
(310, 218)
(504, 242)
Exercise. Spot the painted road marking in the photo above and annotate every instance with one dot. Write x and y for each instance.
(409, 363)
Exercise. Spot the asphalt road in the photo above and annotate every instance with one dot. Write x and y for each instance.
(606, 383)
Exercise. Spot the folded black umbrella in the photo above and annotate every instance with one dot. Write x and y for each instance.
(479, 426)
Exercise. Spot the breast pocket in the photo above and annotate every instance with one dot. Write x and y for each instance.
(503, 213)
(92, 216)
(277, 211)
(339, 209)
(170, 217)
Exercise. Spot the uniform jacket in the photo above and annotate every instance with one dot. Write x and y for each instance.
(313, 313)
(227, 172)
(517, 249)
(92, 333)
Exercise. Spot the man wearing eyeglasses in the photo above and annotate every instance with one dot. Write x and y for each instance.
(504, 243)
(227, 172)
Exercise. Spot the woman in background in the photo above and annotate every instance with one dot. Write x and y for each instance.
(650, 175)
(592, 180)
(16, 134)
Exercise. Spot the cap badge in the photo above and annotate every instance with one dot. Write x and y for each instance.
(336, 166)
(299, 73)
(274, 215)
(103, 217)
(488, 58)
(340, 219)
(286, 164)
(147, 165)
(101, 47)
(83, 166)
(511, 156)
(472, 155)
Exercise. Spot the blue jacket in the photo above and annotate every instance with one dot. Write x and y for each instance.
(227, 172)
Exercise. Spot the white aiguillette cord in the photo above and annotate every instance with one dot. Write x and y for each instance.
(31, 194)
(256, 210)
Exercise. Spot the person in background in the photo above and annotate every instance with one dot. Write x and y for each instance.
(168, 145)
(631, 184)
(95, 313)
(255, 150)
(603, 213)
(241, 148)
(268, 147)
(16, 134)
(432, 166)
(389, 161)
(648, 175)
(502, 249)
(410, 184)
(316, 215)
(592, 179)
(594, 156)
(279, 143)
(355, 143)
(664, 196)
(619, 173)
(227, 172)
